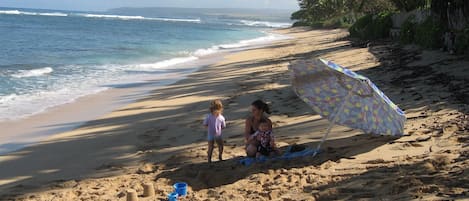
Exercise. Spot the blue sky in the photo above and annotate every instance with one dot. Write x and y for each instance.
(101, 5)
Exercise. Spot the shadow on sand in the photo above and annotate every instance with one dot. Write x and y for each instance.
(76, 157)
(210, 175)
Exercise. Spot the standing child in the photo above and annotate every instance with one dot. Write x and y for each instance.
(264, 136)
(214, 122)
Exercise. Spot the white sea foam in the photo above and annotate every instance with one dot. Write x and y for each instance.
(61, 89)
(176, 20)
(206, 51)
(211, 50)
(264, 39)
(54, 14)
(72, 86)
(130, 17)
(90, 15)
(123, 17)
(15, 106)
(17, 12)
(33, 72)
(167, 63)
(10, 12)
(266, 24)
(76, 83)
(241, 44)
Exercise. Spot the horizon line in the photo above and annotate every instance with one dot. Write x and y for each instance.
(107, 10)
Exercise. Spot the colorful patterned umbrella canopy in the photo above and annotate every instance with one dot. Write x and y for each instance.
(345, 97)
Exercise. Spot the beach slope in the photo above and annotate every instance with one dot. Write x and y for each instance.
(160, 139)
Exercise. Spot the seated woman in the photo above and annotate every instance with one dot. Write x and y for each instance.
(258, 110)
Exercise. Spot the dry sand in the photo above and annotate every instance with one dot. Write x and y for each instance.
(160, 139)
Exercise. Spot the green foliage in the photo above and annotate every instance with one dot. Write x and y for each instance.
(381, 25)
(337, 22)
(462, 41)
(298, 15)
(372, 26)
(337, 13)
(359, 29)
(429, 33)
(376, 20)
(300, 23)
(408, 30)
(408, 5)
(317, 25)
(332, 23)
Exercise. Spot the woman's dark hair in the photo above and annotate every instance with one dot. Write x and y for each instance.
(261, 105)
(263, 120)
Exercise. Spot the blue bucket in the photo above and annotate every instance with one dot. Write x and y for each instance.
(173, 196)
(180, 188)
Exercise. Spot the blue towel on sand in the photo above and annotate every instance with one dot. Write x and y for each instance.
(247, 161)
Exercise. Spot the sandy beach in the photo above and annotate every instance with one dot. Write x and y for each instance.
(160, 140)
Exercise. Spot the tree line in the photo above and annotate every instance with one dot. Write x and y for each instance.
(448, 20)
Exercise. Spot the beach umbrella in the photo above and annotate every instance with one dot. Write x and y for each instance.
(345, 97)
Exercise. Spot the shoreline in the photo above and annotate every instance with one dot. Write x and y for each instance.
(35, 128)
(159, 139)
(27, 131)
(133, 146)
(87, 127)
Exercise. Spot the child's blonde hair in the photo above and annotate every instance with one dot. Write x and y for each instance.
(216, 107)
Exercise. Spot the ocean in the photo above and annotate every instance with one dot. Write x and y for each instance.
(51, 57)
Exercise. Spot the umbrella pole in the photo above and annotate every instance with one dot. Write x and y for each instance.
(333, 121)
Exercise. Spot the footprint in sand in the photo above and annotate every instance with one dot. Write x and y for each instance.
(196, 125)
(174, 138)
(152, 135)
(163, 146)
(146, 169)
(450, 129)
(235, 136)
(402, 146)
(150, 138)
(376, 161)
(110, 166)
